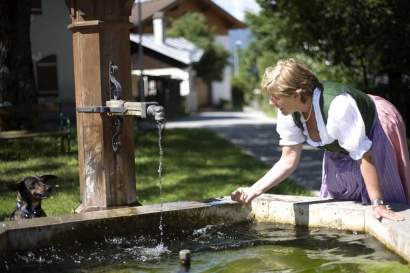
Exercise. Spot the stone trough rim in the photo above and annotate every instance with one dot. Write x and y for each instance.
(340, 215)
(312, 212)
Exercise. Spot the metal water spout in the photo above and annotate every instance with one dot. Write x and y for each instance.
(156, 111)
(117, 108)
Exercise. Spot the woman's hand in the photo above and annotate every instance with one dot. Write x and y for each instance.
(382, 211)
(279, 172)
(244, 195)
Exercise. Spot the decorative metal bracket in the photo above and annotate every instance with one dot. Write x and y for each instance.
(115, 94)
(118, 108)
(115, 86)
(116, 128)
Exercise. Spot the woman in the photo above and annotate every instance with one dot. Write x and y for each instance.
(366, 157)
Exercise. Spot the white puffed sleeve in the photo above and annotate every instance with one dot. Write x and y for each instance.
(346, 124)
(288, 132)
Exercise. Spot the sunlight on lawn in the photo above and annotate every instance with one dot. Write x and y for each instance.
(197, 165)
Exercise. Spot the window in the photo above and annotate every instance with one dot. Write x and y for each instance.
(36, 7)
(46, 76)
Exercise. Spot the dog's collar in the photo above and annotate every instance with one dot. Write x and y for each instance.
(27, 212)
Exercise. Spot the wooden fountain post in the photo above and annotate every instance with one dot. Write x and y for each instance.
(100, 31)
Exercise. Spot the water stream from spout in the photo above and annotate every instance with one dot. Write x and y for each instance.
(160, 126)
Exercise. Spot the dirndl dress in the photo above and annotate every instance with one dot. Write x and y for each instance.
(342, 178)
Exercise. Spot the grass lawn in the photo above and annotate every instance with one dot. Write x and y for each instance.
(197, 165)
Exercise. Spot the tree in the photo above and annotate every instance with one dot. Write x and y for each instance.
(344, 40)
(371, 36)
(16, 67)
(272, 41)
(192, 26)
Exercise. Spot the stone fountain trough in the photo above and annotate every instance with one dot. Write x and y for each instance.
(310, 212)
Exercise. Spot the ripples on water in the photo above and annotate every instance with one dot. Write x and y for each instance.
(242, 248)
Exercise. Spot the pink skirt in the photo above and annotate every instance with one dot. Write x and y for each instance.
(393, 125)
(342, 177)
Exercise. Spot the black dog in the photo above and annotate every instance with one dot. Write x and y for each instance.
(30, 191)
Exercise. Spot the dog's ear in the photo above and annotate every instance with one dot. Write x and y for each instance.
(15, 186)
(18, 186)
(47, 178)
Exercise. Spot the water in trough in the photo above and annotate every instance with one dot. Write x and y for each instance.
(241, 248)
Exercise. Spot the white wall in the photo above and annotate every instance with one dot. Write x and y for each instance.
(174, 73)
(187, 87)
(222, 89)
(49, 35)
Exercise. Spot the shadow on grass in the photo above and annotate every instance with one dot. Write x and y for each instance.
(204, 187)
(197, 165)
(21, 149)
(37, 169)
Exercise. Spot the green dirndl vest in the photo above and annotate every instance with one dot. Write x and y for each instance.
(329, 90)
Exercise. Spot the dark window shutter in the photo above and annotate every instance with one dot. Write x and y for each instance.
(46, 74)
(36, 7)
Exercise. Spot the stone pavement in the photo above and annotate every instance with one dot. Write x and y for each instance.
(256, 135)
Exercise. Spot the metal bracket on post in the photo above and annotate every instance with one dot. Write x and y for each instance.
(118, 108)
(115, 106)
(116, 127)
(115, 86)
(115, 99)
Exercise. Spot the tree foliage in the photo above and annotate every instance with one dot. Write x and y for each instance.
(344, 40)
(193, 27)
(364, 42)
(271, 42)
(16, 68)
(370, 36)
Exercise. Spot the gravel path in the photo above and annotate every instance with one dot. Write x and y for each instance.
(255, 133)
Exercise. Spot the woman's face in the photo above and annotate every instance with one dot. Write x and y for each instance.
(286, 104)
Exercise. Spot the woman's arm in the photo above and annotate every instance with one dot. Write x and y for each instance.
(279, 172)
(371, 180)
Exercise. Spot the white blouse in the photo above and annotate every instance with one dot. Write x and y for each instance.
(344, 123)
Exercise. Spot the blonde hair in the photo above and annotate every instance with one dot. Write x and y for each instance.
(287, 78)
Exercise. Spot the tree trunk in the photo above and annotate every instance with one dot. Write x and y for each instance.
(16, 66)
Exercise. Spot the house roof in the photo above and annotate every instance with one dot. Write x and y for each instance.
(148, 8)
(178, 49)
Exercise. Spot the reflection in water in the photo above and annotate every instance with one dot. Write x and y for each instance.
(242, 248)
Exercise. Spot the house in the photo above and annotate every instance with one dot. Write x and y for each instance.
(52, 52)
(216, 17)
(165, 59)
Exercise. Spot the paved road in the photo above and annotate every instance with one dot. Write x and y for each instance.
(255, 133)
